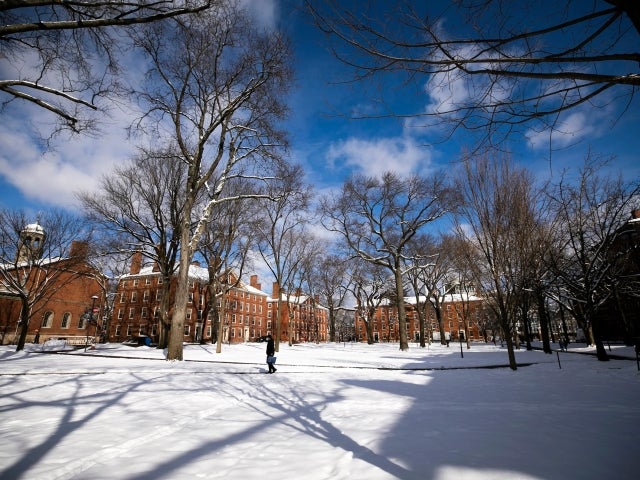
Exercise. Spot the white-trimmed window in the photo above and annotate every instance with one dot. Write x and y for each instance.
(66, 320)
(47, 319)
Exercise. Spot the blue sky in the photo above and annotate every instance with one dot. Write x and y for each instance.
(329, 146)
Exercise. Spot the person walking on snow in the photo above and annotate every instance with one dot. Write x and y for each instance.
(271, 350)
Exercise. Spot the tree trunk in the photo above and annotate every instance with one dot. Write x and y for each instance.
(368, 328)
(527, 327)
(512, 356)
(278, 329)
(507, 332)
(221, 313)
(24, 324)
(436, 307)
(163, 326)
(176, 335)
(544, 323)
(402, 323)
(332, 322)
(601, 352)
(422, 322)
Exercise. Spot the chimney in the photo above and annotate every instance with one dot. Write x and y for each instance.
(78, 249)
(253, 281)
(195, 263)
(275, 290)
(635, 213)
(136, 263)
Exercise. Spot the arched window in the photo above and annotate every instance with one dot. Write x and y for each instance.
(66, 320)
(47, 319)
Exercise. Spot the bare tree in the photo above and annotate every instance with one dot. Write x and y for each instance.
(278, 232)
(217, 91)
(110, 264)
(588, 216)
(37, 260)
(378, 217)
(310, 285)
(432, 271)
(464, 281)
(333, 286)
(490, 64)
(67, 53)
(495, 205)
(369, 284)
(225, 246)
(138, 208)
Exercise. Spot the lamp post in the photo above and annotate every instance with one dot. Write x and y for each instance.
(460, 338)
(90, 319)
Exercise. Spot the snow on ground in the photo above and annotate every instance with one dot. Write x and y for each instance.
(332, 411)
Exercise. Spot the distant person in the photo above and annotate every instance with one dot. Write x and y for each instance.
(271, 350)
(37, 337)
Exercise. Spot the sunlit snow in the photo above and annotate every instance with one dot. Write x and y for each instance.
(331, 411)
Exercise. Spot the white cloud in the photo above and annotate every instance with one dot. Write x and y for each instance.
(575, 127)
(265, 12)
(402, 155)
(52, 175)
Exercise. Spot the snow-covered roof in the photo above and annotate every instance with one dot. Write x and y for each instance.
(253, 290)
(34, 228)
(448, 298)
(295, 299)
(196, 272)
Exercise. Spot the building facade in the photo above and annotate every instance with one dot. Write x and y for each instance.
(248, 313)
(463, 317)
(302, 318)
(68, 294)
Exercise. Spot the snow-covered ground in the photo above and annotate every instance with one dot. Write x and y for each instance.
(330, 412)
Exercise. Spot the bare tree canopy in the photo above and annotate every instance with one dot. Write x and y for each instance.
(378, 217)
(216, 85)
(494, 63)
(588, 219)
(63, 56)
(496, 199)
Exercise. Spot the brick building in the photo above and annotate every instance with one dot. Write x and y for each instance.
(455, 309)
(303, 319)
(67, 289)
(249, 311)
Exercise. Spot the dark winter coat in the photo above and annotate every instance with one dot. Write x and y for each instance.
(271, 348)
